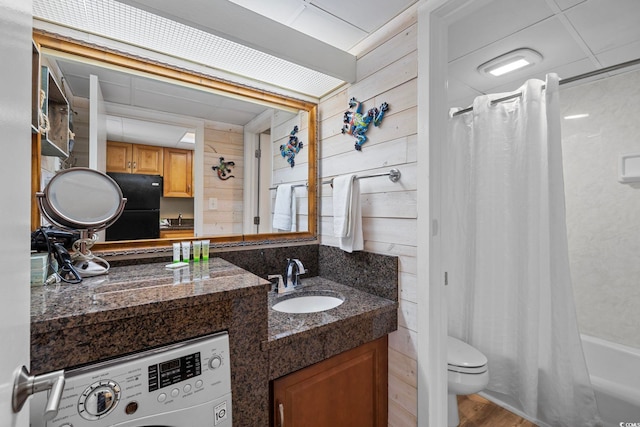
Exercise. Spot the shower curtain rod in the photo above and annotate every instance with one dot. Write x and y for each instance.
(562, 82)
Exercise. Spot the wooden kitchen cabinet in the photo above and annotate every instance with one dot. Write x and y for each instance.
(178, 173)
(175, 234)
(347, 390)
(134, 158)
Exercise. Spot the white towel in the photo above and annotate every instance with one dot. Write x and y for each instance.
(347, 214)
(282, 211)
(294, 210)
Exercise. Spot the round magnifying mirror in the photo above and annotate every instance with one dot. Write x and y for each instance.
(82, 198)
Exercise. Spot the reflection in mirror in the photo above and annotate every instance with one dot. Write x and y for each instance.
(220, 155)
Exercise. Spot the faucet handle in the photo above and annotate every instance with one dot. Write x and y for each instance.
(280, 285)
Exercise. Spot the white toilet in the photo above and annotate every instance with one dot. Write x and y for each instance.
(467, 373)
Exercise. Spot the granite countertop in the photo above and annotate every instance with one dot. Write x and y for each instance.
(177, 227)
(136, 290)
(144, 306)
(286, 327)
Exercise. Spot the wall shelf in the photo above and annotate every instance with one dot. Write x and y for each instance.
(35, 87)
(55, 142)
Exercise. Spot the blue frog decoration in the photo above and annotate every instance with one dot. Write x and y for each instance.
(291, 148)
(357, 124)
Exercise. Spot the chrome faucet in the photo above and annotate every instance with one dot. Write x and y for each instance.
(180, 219)
(293, 272)
(290, 280)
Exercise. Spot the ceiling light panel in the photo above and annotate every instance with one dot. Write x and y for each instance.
(114, 20)
(511, 61)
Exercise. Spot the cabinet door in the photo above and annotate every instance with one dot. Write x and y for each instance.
(347, 390)
(178, 175)
(174, 234)
(147, 159)
(119, 157)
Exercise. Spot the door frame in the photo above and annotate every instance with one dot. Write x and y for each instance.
(15, 220)
(252, 131)
(434, 18)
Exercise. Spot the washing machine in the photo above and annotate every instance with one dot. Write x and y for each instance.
(182, 385)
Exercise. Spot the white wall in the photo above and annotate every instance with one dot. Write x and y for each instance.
(603, 215)
(387, 72)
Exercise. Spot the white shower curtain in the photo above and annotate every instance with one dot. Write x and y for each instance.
(510, 292)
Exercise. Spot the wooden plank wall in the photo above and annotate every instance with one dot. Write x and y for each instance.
(223, 140)
(387, 72)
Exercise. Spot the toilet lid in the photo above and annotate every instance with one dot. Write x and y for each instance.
(462, 355)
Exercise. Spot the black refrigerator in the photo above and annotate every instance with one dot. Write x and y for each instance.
(141, 216)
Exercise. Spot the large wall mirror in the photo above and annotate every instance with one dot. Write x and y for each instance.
(216, 145)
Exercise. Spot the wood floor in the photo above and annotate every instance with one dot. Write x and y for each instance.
(476, 411)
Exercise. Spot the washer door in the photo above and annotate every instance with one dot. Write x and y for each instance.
(216, 413)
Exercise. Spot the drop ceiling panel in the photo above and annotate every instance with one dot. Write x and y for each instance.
(136, 131)
(459, 94)
(367, 15)
(328, 28)
(619, 55)
(566, 4)
(174, 91)
(283, 11)
(548, 37)
(77, 75)
(116, 93)
(491, 23)
(155, 95)
(226, 115)
(606, 24)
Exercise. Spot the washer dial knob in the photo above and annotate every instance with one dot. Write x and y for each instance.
(98, 399)
(215, 361)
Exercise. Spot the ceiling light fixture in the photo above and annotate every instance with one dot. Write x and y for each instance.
(189, 138)
(576, 116)
(511, 61)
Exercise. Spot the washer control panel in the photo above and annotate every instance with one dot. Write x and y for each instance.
(172, 378)
(171, 372)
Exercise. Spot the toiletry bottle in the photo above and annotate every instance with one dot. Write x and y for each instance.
(186, 248)
(197, 245)
(176, 252)
(205, 249)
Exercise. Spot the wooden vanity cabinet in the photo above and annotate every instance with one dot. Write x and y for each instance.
(134, 158)
(347, 390)
(178, 173)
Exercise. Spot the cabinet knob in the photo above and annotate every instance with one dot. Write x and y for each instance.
(134, 165)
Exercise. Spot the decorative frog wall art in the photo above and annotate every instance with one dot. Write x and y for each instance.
(357, 124)
(223, 169)
(291, 148)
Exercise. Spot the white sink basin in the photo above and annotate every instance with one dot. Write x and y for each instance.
(307, 304)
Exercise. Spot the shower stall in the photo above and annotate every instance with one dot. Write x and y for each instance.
(600, 142)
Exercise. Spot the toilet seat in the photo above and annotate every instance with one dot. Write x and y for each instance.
(463, 358)
(467, 373)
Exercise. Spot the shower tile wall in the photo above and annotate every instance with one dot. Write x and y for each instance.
(603, 215)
